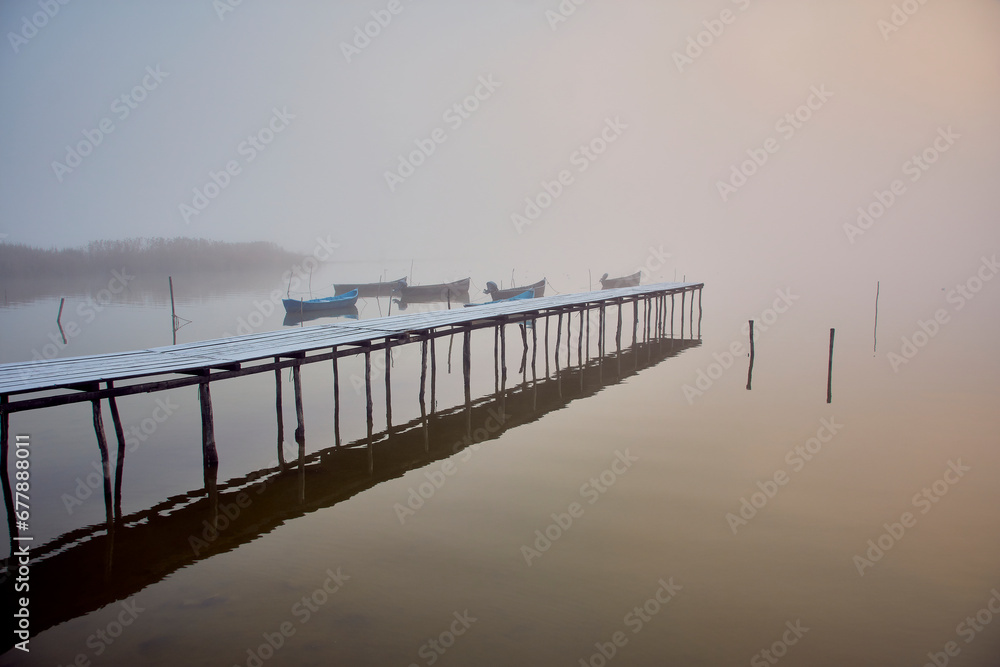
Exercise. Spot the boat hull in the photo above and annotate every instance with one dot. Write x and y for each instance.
(297, 306)
(525, 294)
(626, 281)
(453, 291)
(371, 289)
(502, 294)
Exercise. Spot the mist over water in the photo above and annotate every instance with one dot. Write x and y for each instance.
(795, 157)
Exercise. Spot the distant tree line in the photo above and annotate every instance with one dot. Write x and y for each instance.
(155, 255)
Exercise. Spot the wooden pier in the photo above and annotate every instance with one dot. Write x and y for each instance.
(47, 383)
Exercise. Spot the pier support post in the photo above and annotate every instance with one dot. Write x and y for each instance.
(279, 414)
(467, 373)
(546, 345)
(618, 332)
(369, 411)
(336, 399)
(750, 368)
(8, 493)
(700, 312)
(635, 320)
(300, 428)
(102, 444)
(683, 296)
(388, 387)
(496, 359)
(534, 345)
(433, 343)
(503, 355)
(423, 385)
(672, 315)
(579, 343)
(691, 314)
(210, 457)
(558, 338)
(120, 460)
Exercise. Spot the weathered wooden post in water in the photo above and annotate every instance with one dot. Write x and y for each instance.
(336, 399)
(829, 372)
(102, 444)
(210, 457)
(120, 461)
(467, 375)
(388, 386)
(369, 409)
(750, 369)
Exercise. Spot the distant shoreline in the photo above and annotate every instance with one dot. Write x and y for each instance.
(151, 256)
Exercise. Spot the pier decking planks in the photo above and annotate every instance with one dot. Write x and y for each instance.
(80, 374)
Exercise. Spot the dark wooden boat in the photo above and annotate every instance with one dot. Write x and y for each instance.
(526, 294)
(501, 294)
(440, 292)
(384, 288)
(626, 281)
(315, 305)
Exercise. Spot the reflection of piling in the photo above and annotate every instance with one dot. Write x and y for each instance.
(750, 369)
(829, 372)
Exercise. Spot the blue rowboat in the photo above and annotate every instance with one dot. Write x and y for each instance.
(295, 306)
(527, 294)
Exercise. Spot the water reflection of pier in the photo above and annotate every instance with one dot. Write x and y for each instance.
(129, 553)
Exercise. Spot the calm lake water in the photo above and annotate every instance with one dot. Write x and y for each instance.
(645, 510)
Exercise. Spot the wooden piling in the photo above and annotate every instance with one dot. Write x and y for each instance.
(423, 385)
(388, 386)
(672, 315)
(173, 310)
(503, 354)
(683, 296)
(546, 345)
(750, 369)
(8, 493)
(336, 399)
(102, 444)
(210, 457)
(618, 333)
(700, 312)
(369, 409)
(829, 372)
(558, 337)
(278, 410)
(534, 345)
(433, 343)
(300, 426)
(120, 459)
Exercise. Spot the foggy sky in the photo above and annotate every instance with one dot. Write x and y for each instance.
(341, 118)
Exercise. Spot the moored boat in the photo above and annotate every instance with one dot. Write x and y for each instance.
(384, 288)
(441, 292)
(315, 305)
(498, 294)
(626, 281)
(526, 294)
